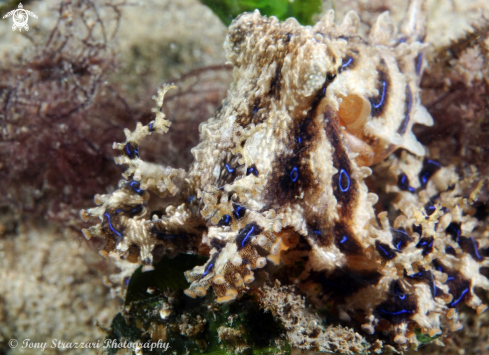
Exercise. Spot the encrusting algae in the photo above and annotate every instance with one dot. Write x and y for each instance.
(280, 177)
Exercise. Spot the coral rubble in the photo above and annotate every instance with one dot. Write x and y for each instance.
(280, 176)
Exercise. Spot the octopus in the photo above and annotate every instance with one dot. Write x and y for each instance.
(279, 177)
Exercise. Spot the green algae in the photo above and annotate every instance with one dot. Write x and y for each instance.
(194, 326)
(302, 10)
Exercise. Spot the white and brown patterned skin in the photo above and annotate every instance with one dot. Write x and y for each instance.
(285, 157)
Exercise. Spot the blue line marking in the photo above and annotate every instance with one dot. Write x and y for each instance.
(243, 242)
(475, 248)
(347, 63)
(344, 173)
(226, 218)
(110, 225)
(385, 251)
(208, 269)
(294, 174)
(344, 239)
(229, 168)
(396, 313)
(383, 96)
(460, 298)
(419, 63)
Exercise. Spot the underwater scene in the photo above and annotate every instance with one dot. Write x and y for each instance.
(219, 177)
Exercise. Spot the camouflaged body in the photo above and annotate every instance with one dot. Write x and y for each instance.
(280, 170)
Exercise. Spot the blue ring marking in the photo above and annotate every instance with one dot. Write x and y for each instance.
(243, 242)
(395, 313)
(229, 168)
(460, 298)
(316, 232)
(344, 239)
(131, 154)
(110, 225)
(191, 198)
(401, 296)
(382, 98)
(343, 173)
(294, 174)
(135, 188)
(350, 59)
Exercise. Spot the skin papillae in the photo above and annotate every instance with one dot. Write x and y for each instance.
(279, 175)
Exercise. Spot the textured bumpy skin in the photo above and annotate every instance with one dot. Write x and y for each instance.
(280, 171)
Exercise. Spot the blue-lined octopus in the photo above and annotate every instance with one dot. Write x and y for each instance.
(279, 177)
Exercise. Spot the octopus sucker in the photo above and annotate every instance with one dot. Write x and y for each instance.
(279, 178)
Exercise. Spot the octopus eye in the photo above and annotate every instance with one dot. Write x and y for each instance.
(354, 111)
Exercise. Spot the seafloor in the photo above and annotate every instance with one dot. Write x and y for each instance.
(53, 283)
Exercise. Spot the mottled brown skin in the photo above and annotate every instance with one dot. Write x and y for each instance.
(281, 168)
